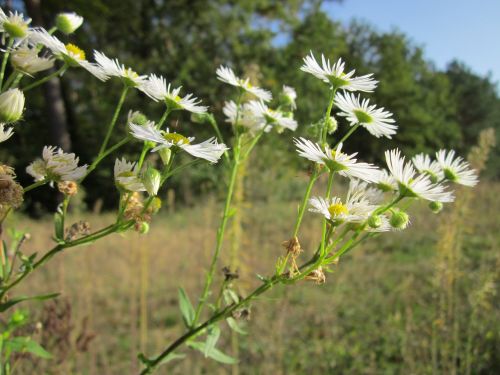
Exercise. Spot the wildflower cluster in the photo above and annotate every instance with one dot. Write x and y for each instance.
(376, 200)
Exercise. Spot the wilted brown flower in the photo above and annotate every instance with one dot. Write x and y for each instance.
(68, 187)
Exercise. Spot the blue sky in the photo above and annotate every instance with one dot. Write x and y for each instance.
(447, 29)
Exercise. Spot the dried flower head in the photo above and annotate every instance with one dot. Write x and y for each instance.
(68, 187)
(317, 275)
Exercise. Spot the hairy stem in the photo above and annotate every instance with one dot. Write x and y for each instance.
(113, 121)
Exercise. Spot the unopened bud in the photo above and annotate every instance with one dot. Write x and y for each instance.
(375, 221)
(11, 105)
(67, 23)
(151, 180)
(435, 207)
(142, 227)
(332, 125)
(399, 219)
(137, 118)
(165, 154)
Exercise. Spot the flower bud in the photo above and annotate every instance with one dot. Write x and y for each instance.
(165, 154)
(11, 105)
(436, 207)
(155, 205)
(399, 219)
(332, 125)
(137, 118)
(67, 23)
(151, 181)
(142, 227)
(16, 26)
(375, 221)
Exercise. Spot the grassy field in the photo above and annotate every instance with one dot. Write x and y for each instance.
(422, 301)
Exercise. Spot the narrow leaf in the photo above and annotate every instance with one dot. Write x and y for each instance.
(14, 301)
(26, 344)
(212, 337)
(215, 353)
(186, 307)
(235, 326)
(58, 226)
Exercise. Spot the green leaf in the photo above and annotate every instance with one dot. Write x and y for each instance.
(26, 344)
(186, 307)
(212, 337)
(231, 322)
(14, 301)
(215, 353)
(147, 362)
(59, 226)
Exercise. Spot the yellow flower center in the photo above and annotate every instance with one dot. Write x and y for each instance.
(130, 73)
(337, 209)
(75, 51)
(176, 138)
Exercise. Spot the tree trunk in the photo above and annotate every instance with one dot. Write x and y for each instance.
(54, 103)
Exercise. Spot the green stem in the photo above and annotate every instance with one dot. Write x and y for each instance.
(34, 185)
(305, 199)
(106, 153)
(211, 120)
(325, 221)
(252, 144)
(4, 60)
(113, 120)
(324, 131)
(145, 147)
(348, 134)
(220, 231)
(9, 80)
(46, 78)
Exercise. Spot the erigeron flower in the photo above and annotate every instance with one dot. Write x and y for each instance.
(113, 68)
(358, 187)
(157, 89)
(56, 165)
(399, 220)
(11, 193)
(425, 164)
(456, 169)
(209, 150)
(334, 74)
(336, 161)
(378, 223)
(385, 182)
(289, 96)
(67, 23)
(246, 117)
(5, 133)
(270, 116)
(14, 24)
(411, 185)
(27, 61)
(227, 75)
(136, 117)
(71, 54)
(127, 176)
(376, 120)
(355, 210)
(11, 105)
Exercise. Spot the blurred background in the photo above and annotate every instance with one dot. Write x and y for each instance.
(422, 301)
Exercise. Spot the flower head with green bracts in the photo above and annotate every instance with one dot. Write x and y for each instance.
(113, 68)
(412, 185)
(27, 60)
(245, 117)
(127, 176)
(269, 116)
(14, 25)
(335, 75)
(227, 75)
(67, 23)
(71, 54)
(289, 95)
(336, 161)
(456, 169)
(157, 89)
(56, 165)
(209, 150)
(377, 121)
(424, 164)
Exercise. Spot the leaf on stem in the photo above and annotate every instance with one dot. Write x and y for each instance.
(14, 301)
(212, 338)
(26, 344)
(186, 307)
(215, 353)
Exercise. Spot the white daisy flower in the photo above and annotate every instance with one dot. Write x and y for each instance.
(361, 188)
(334, 74)
(411, 185)
(289, 95)
(425, 164)
(336, 161)
(456, 169)
(157, 89)
(270, 116)
(27, 61)
(127, 176)
(227, 75)
(113, 68)
(246, 118)
(14, 25)
(69, 53)
(377, 121)
(385, 182)
(353, 211)
(209, 150)
(5, 133)
(56, 165)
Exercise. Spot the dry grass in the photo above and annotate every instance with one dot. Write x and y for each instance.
(374, 315)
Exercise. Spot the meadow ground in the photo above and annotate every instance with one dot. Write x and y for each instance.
(406, 302)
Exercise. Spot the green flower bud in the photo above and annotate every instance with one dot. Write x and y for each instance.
(11, 105)
(155, 205)
(399, 219)
(332, 125)
(16, 26)
(375, 221)
(151, 181)
(67, 23)
(137, 118)
(165, 154)
(435, 207)
(142, 228)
